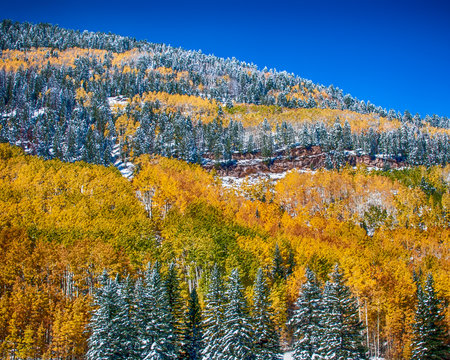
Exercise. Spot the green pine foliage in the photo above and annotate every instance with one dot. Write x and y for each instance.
(266, 344)
(307, 319)
(343, 332)
(429, 332)
(238, 331)
(175, 302)
(192, 329)
(105, 326)
(213, 317)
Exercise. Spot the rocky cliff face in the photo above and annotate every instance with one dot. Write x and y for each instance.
(312, 158)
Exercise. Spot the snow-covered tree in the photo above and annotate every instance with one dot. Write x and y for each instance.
(153, 319)
(266, 343)
(104, 341)
(429, 333)
(128, 337)
(213, 318)
(343, 332)
(306, 321)
(238, 333)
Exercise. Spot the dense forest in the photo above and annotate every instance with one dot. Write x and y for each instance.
(74, 95)
(78, 110)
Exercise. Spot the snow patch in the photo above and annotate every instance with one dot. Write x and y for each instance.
(236, 182)
(38, 112)
(288, 356)
(117, 101)
(10, 114)
(125, 168)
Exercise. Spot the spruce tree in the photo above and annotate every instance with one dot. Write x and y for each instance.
(128, 337)
(237, 338)
(343, 338)
(175, 304)
(192, 330)
(156, 335)
(266, 345)
(307, 319)
(277, 270)
(213, 319)
(104, 341)
(429, 333)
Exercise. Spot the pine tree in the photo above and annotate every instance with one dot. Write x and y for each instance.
(429, 333)
(237, 338)
(156, 335)
(175, 304)
(128, 337)
(277, 270)
(342, 329)
(307, 319)
(192, 332)
(104, 341)
(213, 319)
(266, 344)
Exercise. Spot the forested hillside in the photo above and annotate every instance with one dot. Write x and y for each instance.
(63, 224)
(73, 96)
(78, 240)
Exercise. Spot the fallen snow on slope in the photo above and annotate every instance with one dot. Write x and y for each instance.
(125, 168)
(117, 101)
(235, 182)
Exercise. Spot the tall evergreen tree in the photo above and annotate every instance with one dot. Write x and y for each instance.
(192, 331)
(429, 333)
(128, 337)
(237, 338)
(266, 345)
(306, 321)
(213, 319)
(104, 341)
(175, 303)
(277, 270)
(153, 319)
(343, 338)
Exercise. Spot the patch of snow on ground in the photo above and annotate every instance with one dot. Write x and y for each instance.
(236, 182)
(38, 112)
(125, 168)
(10, 114)
(117, 100)
(288, 356)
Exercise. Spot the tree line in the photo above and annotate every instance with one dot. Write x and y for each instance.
(146, 319)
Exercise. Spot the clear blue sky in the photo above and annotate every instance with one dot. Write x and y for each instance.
(394, 53)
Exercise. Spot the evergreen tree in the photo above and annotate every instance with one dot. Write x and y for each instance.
(213, 319)
(175, 304)
(307, 319)
(153, 319)
(266, 344)
(342, 329)
(237, 338)
(192, 332)
(277, 270)
(266, 139)
(128, 337)
(429, 333)
(104, 341)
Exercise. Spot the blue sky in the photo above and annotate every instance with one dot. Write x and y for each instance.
(394, 53)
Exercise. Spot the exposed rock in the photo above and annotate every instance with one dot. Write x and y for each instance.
(312, 158)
